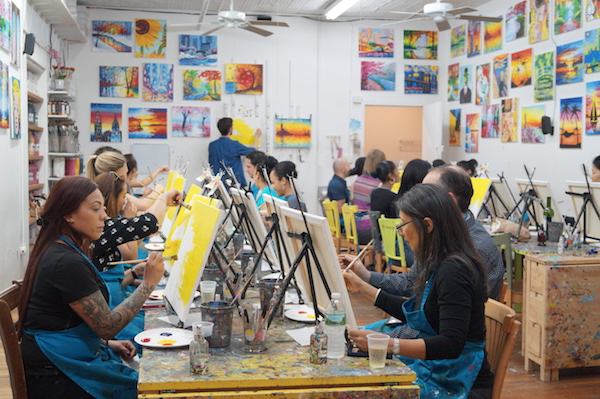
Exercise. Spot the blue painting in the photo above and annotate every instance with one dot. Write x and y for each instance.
(197, 50)
(157, 82)
(420, 79)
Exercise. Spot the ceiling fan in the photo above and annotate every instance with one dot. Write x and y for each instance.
(440, 12)
(237, 19)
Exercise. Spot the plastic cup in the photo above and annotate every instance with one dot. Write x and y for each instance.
(255, 334)
(378, 346)
(208, 289)
(206, 326)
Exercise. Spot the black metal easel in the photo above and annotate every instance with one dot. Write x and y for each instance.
(528, 197)
(587, 200)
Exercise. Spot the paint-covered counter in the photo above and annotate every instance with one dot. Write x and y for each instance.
(561, 296)
(283, 371)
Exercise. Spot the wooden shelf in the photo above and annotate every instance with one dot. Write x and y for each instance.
(35, 128)
(61, 117)
(33, 187)
(35, 158)
(34, 98)
(61, 95)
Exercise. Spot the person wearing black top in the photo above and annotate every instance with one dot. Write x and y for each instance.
(383, 199)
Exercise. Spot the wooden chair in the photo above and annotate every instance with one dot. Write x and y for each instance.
(333, 219)
(502, 328)
(392, 240)
(12, 352)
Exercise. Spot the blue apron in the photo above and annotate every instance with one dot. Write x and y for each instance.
(447, 378)
(78, 353)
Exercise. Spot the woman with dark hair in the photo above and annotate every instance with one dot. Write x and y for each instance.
(413, 174)
(596, 170)
(260, 182)
(382, 198)
(65, 322)
(280, 182)
(448, 302)
(253, 160)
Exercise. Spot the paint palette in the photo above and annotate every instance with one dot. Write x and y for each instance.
(155, 246)
(303, 314)
(160, 294)
(164, 338)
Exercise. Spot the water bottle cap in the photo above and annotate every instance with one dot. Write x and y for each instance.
(335, 295)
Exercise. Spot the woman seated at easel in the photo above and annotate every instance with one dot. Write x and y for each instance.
(65, 322)
(280, 182)
(150, 193)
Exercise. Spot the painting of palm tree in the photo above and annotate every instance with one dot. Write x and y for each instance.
(570, 116)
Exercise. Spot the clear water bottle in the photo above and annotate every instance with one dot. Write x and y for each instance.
(335, 327)
(577, 245)
(318, 345)
(199, 352)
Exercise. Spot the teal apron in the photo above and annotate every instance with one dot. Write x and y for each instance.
(78, 353)
(447, 378)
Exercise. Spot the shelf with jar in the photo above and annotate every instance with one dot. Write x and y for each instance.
(63, 150)
(34, 132)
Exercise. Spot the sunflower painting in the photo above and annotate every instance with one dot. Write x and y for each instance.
(147, 123)
(500, 76)
(543, 84)
(472, 133)
(592, 103)
(453, 73)
(569, 63)
(591, 51)
(567, 16)
(514, 23)
(292, 133)
(531, 124)
(490, 121)
(243, 79)
(201, 85)
(150, 38)
(492, 36)
(509, 120)
(473, 38)
(458, 41)
(521, 68)
(454, 127)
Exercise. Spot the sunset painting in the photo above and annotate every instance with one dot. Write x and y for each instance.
(591, 51)
(569, 63)
(592, 103)
(492, 36)
(147, 123)
(521, 68)
(105, 122)
(531, 124)
(294, 133)
(570, 122)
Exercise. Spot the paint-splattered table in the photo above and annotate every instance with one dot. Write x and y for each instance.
(283, 371)
(561, 315)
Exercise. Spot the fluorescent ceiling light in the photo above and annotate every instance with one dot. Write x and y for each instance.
(340, 7)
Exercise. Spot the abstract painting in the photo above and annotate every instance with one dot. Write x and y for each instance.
(197, 50)
(243, 79)
(592, 10)
(465, 84)
(147, 123)
(294, 133)
(531, 124)
(420, 79)
(15, 128)
(515, 22)
(15, 37)
(453, 74)
(500, 76)
(458, 41)
(569, 63)
(244, 130)
(567, 16)
(157, 82)
(5, 14)
(539, 11)
(473, 38)
(570, 119)
(490, 121)
(190, 121)
(509, 120)
(375, 42)
(150, 38)
(543, 85)
(420, 45)
(377, 76)
(482, 84)
(591, 51)
(472, 133)
(4, 97)
(201, 85)
(112, 36)
(105, 122)
(454, 127)
(521, 68)
(121, 82)
(592, 103)
(492, 36)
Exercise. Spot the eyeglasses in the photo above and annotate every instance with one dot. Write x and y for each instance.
(117, 177)
(401, 225)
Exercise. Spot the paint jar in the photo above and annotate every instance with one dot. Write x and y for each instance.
(221, 314)
(238, 244)
(268, 287)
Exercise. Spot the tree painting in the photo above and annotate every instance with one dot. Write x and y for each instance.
(377, 76)
(119, 81)
(201, 85)
(243, 79)
(543, 89)
(112, 36)
(191, 122)
(420, 45)
(567, 16)
(570, 118)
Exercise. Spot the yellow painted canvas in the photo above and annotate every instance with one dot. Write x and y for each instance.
(167, 225)
(243, 130)
(170, 179)
(174, 239)
(480, 189)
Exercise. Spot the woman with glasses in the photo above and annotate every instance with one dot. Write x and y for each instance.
(448, 302)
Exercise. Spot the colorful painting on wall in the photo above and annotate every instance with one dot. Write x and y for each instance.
(150, 38)
(543, 84)
(591, 51)
(492, 36)
(482, 84)
(190, 121)
(420, 79)
(243, 79)
(454, 127)
(15, 37)
(105, 122)
(569, 63)
(15, 126)
(458, 41)
(294, 133)
(592, 10)
(539, 11)
(201, 85)
(5, 14)
(490, 121)
(521, 68)
(570, 122)
(377, 76)
(472, 133)
(121, 82)
(420, 45)
(112, 36)
(500, 76)
(244, 130)
(515, 22)
(531, 124)
(147, 123)
(376, 42)
(157, 82)
(466, 82)
(592, 103)
(4, 97)
(453, 74)
(473, 38)
(567, 16)
(197, 50)
(509, 120)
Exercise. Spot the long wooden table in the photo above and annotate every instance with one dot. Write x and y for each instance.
(283, 371)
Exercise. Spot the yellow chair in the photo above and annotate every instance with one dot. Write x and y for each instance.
(391, 239)
(349, 215)
(333, 219)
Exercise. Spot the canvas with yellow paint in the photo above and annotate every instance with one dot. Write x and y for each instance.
(480, 189)
(244, 130)
(178, 183)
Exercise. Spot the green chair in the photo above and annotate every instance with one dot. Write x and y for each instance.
(393, 244)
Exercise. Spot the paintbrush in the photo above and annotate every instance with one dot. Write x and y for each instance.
(358, 256)
(124, 262)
